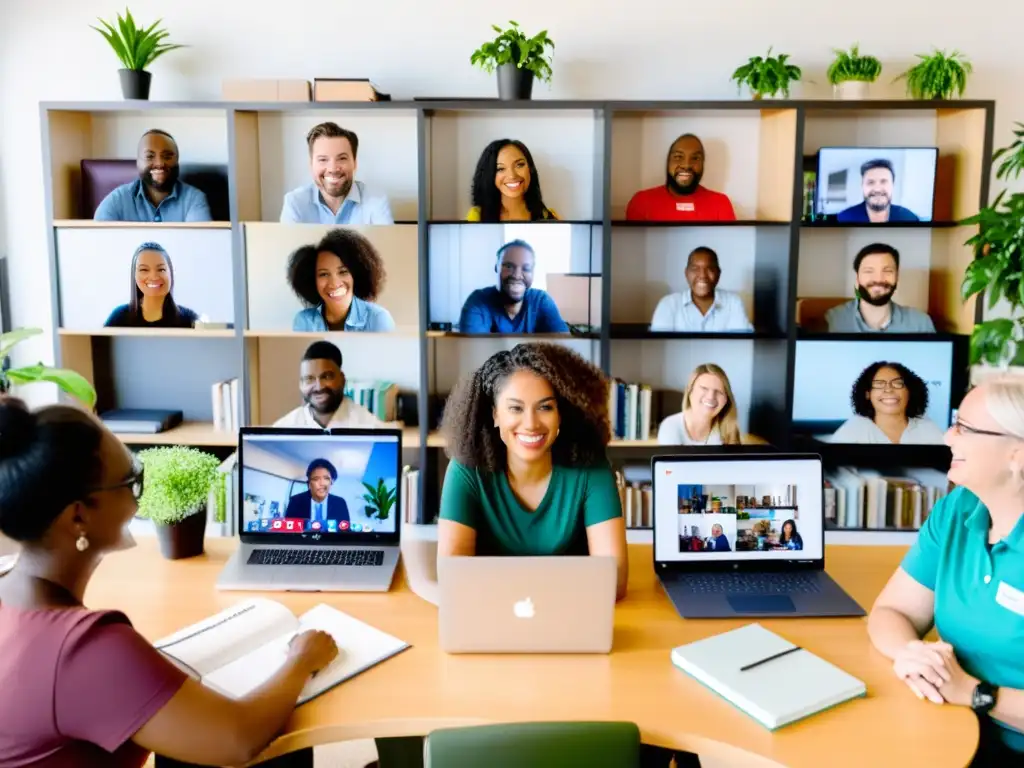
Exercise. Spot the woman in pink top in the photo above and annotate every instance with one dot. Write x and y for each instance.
(81, 687)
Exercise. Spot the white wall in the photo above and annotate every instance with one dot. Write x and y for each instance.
(636, 50)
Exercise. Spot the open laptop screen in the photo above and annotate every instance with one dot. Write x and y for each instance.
(737, 509)
(308, 485)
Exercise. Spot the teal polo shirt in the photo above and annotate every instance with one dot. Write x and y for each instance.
(979, 591)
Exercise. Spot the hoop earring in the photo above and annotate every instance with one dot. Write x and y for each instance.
(82, 543)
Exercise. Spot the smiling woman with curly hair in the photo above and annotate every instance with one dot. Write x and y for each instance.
(526, 435)
(338, 280)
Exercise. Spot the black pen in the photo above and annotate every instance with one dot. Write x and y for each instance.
(771, 658)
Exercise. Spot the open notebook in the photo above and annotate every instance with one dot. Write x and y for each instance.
(240, 648)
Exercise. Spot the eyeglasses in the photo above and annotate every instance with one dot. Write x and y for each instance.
(882, 384)
(135, 481)
(965, 429)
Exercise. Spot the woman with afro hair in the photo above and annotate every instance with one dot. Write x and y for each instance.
(526, 435)
(338, 280)
(506, 185)
(889, 401)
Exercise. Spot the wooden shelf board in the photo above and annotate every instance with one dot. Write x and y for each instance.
(187, 333)
(186, 433)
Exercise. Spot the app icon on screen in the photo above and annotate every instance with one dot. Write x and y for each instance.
(253, 525)
(264, 523)
(316, 525)
(343, 525)
(277, 524)
(366, 527)
(356, 528)
(289, 525)
(332, 526)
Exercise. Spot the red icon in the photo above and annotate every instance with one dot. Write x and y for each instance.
(277, 525)
(289, 525)
(343, 525)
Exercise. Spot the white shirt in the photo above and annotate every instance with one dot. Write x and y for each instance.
(677, 312)
(861, 429)
(673, 432)
(349, 414)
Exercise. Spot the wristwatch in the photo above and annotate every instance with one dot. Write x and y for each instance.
(983, 698)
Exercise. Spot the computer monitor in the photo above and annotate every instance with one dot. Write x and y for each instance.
(897, 183)
(323, 486)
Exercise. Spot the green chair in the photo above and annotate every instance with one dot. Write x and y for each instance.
(535, 745)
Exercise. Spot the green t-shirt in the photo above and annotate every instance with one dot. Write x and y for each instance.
(575, 499)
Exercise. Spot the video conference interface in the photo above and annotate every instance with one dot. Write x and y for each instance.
(738, 510)
(324, 484)
(861, 185)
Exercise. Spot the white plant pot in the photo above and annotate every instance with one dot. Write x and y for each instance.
(852, 90)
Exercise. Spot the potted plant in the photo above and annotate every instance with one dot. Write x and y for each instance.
(851, 72)
(136, 47)
(716, 504)
(767, 76)
(379, 499)
(997, 268)
(517, 58)
(176, 488)
(67, 380)
(937, 76)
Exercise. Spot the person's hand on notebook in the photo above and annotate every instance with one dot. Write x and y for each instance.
(923, 667)
(313, 648)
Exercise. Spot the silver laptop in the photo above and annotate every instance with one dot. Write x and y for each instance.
(743, 535)
(319, 510)
(526, 604)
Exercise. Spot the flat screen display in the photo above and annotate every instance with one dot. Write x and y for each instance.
(872, 185)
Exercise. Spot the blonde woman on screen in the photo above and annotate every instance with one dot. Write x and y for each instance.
(709, 412)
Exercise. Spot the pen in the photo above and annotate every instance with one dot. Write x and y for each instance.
(771, 658)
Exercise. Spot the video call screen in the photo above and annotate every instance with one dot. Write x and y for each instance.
(352, 484)
(738, 510)
(903, 178)
(826, 372)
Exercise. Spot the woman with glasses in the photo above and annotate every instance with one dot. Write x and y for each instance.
(964, 576)
(889, 401)
(82, 687)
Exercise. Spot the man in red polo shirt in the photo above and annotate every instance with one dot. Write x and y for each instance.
(681, 197)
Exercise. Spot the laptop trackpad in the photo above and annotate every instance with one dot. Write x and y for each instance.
(761, 603)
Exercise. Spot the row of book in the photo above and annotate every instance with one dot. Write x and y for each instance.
(866, 498)
(636, 495)
(226, 405)
(378, 397)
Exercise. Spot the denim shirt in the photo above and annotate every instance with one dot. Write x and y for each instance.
(128, 202)
(362, 316)
(306, 205)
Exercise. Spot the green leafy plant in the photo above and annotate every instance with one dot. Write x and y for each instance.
(136, 47)
(69, 381)
(852, 65)
(998, 267)
(511, 46)
(768, 75)
(937, 75)
(379, 499)
(177, 482)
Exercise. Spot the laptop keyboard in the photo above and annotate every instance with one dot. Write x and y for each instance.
(750, 583)
(316, 557)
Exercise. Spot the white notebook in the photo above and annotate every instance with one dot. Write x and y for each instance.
(240, 648)
(776, 692)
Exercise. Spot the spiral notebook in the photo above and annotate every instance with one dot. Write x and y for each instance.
(240, 648)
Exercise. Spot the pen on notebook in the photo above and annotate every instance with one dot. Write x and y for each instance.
(771, 658)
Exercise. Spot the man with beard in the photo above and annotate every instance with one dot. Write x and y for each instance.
(513, 307)
(877, 267)
(877, 179)
(334, 197)
(157, 195)
(322, 385)
(681, 197)
(702, 307)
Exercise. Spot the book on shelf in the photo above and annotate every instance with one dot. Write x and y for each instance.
(239, 649)
(140, 421)
(629, 410)
(226, 405)
(900, 499)
(378, 397)
(636, 495)
(410, 495)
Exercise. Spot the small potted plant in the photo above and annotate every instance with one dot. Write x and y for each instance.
(937, 76)
(517, 58)
(176, 488)
(716, 504)
(379, 499)
(851, 72)
(767, 76)
(67, 380)
(137, 48)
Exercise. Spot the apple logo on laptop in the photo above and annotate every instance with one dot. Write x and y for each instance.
(523, 609)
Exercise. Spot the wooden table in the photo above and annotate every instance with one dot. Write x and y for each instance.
(423, 689)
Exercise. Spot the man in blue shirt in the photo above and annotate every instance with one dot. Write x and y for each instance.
(513, 307)
(877, 179)
(157, 195)
(334, 197)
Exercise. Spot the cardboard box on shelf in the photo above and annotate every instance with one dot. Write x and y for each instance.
(265, 89)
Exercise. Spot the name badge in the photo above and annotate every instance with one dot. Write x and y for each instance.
(684, 206)
(1010, 598)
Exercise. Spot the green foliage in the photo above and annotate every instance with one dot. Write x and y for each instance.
(937, 76)
(136, 47)
(70, 381)
(511, 46)
(767, 76)
(852, 65)
(1013, 156)
(379, 499)
(177, 482)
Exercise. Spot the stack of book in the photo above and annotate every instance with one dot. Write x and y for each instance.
(867, 499)
(226, 405)
(629, 410)
(378, 397)
(636, 495)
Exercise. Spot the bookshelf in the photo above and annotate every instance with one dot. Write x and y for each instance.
(592, 155)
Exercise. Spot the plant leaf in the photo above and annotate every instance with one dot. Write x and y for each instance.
(70, 381)
(11, 338)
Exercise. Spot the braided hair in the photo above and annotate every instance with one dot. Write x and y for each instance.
(581, 391)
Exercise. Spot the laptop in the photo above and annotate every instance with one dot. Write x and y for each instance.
(743, 535)
(526, 604)
(318, 510)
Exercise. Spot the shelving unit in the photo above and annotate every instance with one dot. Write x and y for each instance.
(591, 156)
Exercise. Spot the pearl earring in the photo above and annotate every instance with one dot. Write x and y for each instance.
(82, 543)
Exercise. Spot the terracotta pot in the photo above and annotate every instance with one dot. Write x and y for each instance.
(184, 539)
